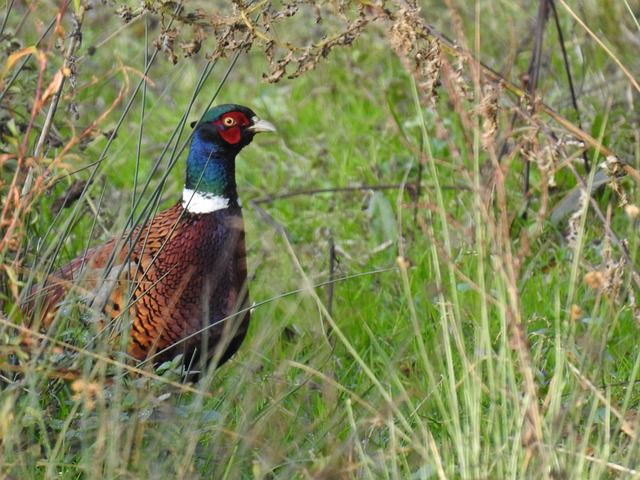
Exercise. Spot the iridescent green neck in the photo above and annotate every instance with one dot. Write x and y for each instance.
(211, 170)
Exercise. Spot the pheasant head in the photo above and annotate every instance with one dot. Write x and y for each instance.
(218, 137)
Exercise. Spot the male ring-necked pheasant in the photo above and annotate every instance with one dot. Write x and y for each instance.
(179, 279)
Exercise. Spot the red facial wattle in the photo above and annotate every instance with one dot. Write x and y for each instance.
(229, 126)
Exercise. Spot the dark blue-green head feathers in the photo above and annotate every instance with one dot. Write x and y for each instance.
(218, 137)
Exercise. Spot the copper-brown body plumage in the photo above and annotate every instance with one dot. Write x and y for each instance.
(180, 278)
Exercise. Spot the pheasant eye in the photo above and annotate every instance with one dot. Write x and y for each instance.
(228, 122)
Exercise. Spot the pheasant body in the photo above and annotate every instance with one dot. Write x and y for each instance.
(180, 279)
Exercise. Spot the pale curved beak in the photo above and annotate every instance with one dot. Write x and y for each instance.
(261, 126)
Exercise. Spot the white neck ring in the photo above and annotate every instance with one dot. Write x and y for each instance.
(199, 202)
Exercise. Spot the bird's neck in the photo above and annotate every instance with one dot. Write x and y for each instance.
(211, 180)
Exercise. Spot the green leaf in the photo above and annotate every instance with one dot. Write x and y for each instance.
(383, 218)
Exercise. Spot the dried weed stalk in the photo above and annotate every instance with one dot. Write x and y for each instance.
(488, 110)
(614, 171)
(416, 48)
(268, 27)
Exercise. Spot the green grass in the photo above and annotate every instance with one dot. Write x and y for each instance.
(487, 355)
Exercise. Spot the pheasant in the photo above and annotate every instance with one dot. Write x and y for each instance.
(180, 278)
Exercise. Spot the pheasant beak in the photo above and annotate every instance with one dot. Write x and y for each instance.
(261, 126)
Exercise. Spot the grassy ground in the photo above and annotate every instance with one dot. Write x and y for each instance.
(400, 331)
